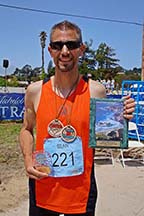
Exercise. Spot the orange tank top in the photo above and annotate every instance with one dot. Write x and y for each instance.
(65, 194)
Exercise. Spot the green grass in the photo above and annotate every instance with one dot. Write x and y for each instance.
(9, 133)
(9, 145)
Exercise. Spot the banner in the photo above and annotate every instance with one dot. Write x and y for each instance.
(11, 106)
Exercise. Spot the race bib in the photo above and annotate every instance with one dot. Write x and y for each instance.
(66, 158)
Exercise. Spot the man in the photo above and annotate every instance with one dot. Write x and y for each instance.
(60, 110)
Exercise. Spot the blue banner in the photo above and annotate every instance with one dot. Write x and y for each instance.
(11, 106)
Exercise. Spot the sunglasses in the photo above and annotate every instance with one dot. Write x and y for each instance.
(71, 45)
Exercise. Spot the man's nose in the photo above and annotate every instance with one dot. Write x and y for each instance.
(65, 49)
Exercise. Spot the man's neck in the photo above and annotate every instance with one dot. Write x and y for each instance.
(65, 83)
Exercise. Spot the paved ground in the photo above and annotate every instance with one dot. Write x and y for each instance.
(120, 191)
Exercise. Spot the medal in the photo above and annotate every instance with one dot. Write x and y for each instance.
(68, 133)
(55, 127)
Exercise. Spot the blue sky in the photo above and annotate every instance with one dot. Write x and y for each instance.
(19, 34)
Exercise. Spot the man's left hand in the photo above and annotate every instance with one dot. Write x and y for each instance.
(129, 107)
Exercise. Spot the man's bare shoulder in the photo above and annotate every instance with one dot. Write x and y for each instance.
(97, 90)
(34, 88)
(32, 95)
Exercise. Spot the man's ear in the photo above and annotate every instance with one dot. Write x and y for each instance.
(50, 50)
(82, 49)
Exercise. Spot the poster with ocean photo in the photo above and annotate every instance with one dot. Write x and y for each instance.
(110, 127)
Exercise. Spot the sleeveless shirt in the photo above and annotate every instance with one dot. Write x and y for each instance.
(65, 194)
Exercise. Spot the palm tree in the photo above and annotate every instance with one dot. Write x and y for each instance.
(43, 36)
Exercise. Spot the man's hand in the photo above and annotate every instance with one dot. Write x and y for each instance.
(129, 107)
(33, 173)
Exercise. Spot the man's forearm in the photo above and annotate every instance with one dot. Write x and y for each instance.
(27, 145)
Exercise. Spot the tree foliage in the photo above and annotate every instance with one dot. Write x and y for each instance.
(105, 57)
(100, 63)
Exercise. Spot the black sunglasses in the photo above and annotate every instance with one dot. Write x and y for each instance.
(58, 45)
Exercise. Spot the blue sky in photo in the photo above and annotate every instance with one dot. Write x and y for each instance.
(20, 29)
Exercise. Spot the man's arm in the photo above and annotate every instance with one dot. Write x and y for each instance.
(26, 134)
(97, 90)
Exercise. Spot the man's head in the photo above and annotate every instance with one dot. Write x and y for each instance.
(66, 45)
(64, 26)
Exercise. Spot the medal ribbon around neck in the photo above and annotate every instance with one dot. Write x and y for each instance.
(55, 127)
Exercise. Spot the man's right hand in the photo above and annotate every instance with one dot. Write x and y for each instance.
(33, 173)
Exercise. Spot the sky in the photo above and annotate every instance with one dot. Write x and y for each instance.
(20, 29)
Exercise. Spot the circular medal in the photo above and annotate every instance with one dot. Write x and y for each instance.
(68, 133)
(55, 127)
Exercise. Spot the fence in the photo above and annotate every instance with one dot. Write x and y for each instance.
(136, 89)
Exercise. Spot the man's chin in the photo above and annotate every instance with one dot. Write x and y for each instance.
(65, 68)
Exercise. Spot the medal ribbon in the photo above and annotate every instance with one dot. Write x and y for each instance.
(61, 109)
